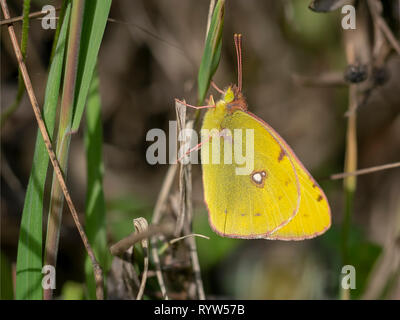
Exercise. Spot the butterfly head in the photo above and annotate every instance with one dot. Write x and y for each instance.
(233, 99)
(228, 95)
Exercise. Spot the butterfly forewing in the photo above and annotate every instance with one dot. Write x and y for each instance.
(262, 197)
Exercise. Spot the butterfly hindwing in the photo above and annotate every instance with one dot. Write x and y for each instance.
(313, 217)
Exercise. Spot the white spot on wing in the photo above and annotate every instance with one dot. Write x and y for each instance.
(257, 177)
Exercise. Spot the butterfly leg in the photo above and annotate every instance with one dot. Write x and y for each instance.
(222, 134)
(194, 107)
(197, 147)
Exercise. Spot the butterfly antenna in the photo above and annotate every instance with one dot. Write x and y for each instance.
(238, 45)
(216, 88)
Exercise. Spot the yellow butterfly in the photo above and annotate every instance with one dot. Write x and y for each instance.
(277, 198)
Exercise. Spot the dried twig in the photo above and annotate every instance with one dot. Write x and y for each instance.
(181, 119)
(28, 84)
(163, 195)
(376, 10)
(157, 264)
(121, 246)
(389, 35)
(357, 50)
(187, 236)
(124, 247)
(191, 240)
(195, 262)
(161, 200)
(123, 280)
(141, 226)
(186, 210)
(33, 15)
(338, 176)
(380, 52)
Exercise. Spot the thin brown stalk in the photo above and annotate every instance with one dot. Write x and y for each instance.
(187, 236)
(186, 208)
(181, 119)
(376, 12)
(157, 264)
(35, 106)
(358, 52)
(343, 175)
(191, 241)
(349, 182)
(33, 15)
(163, 195)
(351, 143)
(389, 35)
(157, 213)
(141, 226)
(121, 246)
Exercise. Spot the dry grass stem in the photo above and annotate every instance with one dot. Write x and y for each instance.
(123, 245)
(187, 236)
(141, 226)
(338, 176)
(33, 15)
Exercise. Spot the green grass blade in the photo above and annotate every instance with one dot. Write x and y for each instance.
(95, 210)
(87, 25)
(63, 136)
(212, 51)
(29, 259)
(95, 20)
(58, 29)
